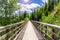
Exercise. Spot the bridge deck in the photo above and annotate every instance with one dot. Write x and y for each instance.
(31, 33)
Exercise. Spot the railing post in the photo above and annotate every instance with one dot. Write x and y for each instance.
(7, 30)
(45, 30)
(53, 33)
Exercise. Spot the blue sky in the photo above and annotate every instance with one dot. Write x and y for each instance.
(40, 2)
(30, 5)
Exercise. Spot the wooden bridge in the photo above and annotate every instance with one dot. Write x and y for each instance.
(30, 30)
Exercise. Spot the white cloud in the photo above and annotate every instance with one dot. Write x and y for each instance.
(45, 1)
(29, 7)
(18, 3)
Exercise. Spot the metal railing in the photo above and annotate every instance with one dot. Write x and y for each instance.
(49, 31)
(9, 32)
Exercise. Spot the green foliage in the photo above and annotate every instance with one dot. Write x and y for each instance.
(36, 15)
(7, 9)
(49, 13)
(54, 17)
(57, 18)
(48, 19)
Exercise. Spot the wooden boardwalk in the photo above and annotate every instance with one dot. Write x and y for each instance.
(30, 33)
(27, 31)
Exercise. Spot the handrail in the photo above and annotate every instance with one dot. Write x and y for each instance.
(53, 26)
(9, 31)
(49, 31)
(10, 25)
